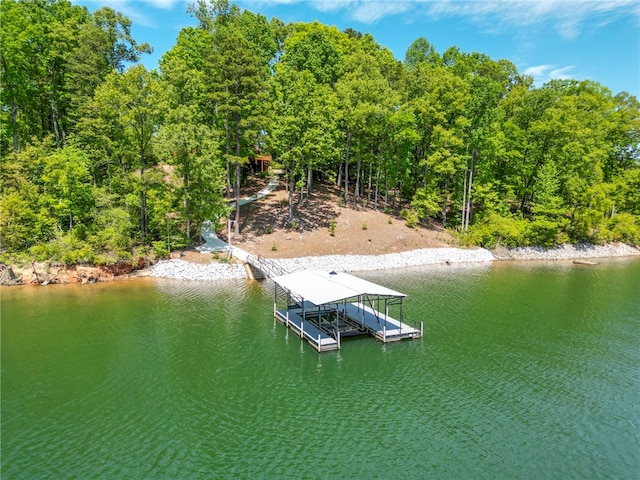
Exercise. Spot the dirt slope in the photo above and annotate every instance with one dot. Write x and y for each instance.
(358, 230)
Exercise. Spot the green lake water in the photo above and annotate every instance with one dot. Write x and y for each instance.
(525, 371)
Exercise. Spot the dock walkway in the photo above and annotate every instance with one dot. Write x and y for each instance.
(317, 338)
(383, 327)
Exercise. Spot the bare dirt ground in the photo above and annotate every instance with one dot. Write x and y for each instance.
(361, 230)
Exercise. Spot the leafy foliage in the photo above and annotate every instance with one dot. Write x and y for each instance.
(101, 158)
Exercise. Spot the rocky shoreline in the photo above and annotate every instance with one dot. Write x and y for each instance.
(183, 270)
(179, 269)
(570, 252)
(412, 258)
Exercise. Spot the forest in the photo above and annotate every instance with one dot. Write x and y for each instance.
(103, 160)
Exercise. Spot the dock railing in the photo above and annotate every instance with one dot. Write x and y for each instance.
(268, 267)
(271, 269)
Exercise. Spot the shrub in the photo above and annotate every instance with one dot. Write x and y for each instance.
(160, 249)
(222, 259)
(332, 228)
(274, 247)
(624, 228)
(542, 232)
(365, 226)
(65, 248)
(410, 217)
(496, 230)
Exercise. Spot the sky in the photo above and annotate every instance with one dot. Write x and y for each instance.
(595, 40)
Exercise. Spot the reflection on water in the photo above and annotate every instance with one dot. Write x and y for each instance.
(526, 370)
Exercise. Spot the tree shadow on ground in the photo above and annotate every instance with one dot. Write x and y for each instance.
(272, 212)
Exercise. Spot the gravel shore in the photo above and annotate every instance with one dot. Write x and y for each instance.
(570, 252)
(179, 269)
(354, 263)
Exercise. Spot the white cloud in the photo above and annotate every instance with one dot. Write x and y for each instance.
(163, 4)
(543, 73)
(141, 12)
(370, 12)
(566, 15)
(331, 5)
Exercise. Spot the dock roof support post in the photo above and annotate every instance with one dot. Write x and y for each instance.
(386, 315)
(384, 332)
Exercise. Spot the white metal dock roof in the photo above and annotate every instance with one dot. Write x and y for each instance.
(320, 287)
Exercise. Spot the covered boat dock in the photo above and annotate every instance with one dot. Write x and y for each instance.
(325, 307)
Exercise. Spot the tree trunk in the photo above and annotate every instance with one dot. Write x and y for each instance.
(14, 109)
(370, 181)
(377, 194)
(309, 181)
(346, 169)
(237, 220)
(227, 151)
(54, 120)
(14, 123)
(187, 204)
(469, 203)
(238, 171)
(356, 190)
(445, 201)
(143, 194)
(386, 190)
(143, 208)
(463, 213)
(290, 199)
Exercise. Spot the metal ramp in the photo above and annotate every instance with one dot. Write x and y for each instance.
(264, 268)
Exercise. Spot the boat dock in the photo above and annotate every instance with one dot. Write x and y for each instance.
(320, 340)
(381, 326)
(325, 307)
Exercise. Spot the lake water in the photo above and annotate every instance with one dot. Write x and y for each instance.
(526, 370)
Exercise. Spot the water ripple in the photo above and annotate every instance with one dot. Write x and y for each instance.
(523, 372)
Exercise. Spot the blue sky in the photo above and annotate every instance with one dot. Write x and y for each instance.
(580, 39)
